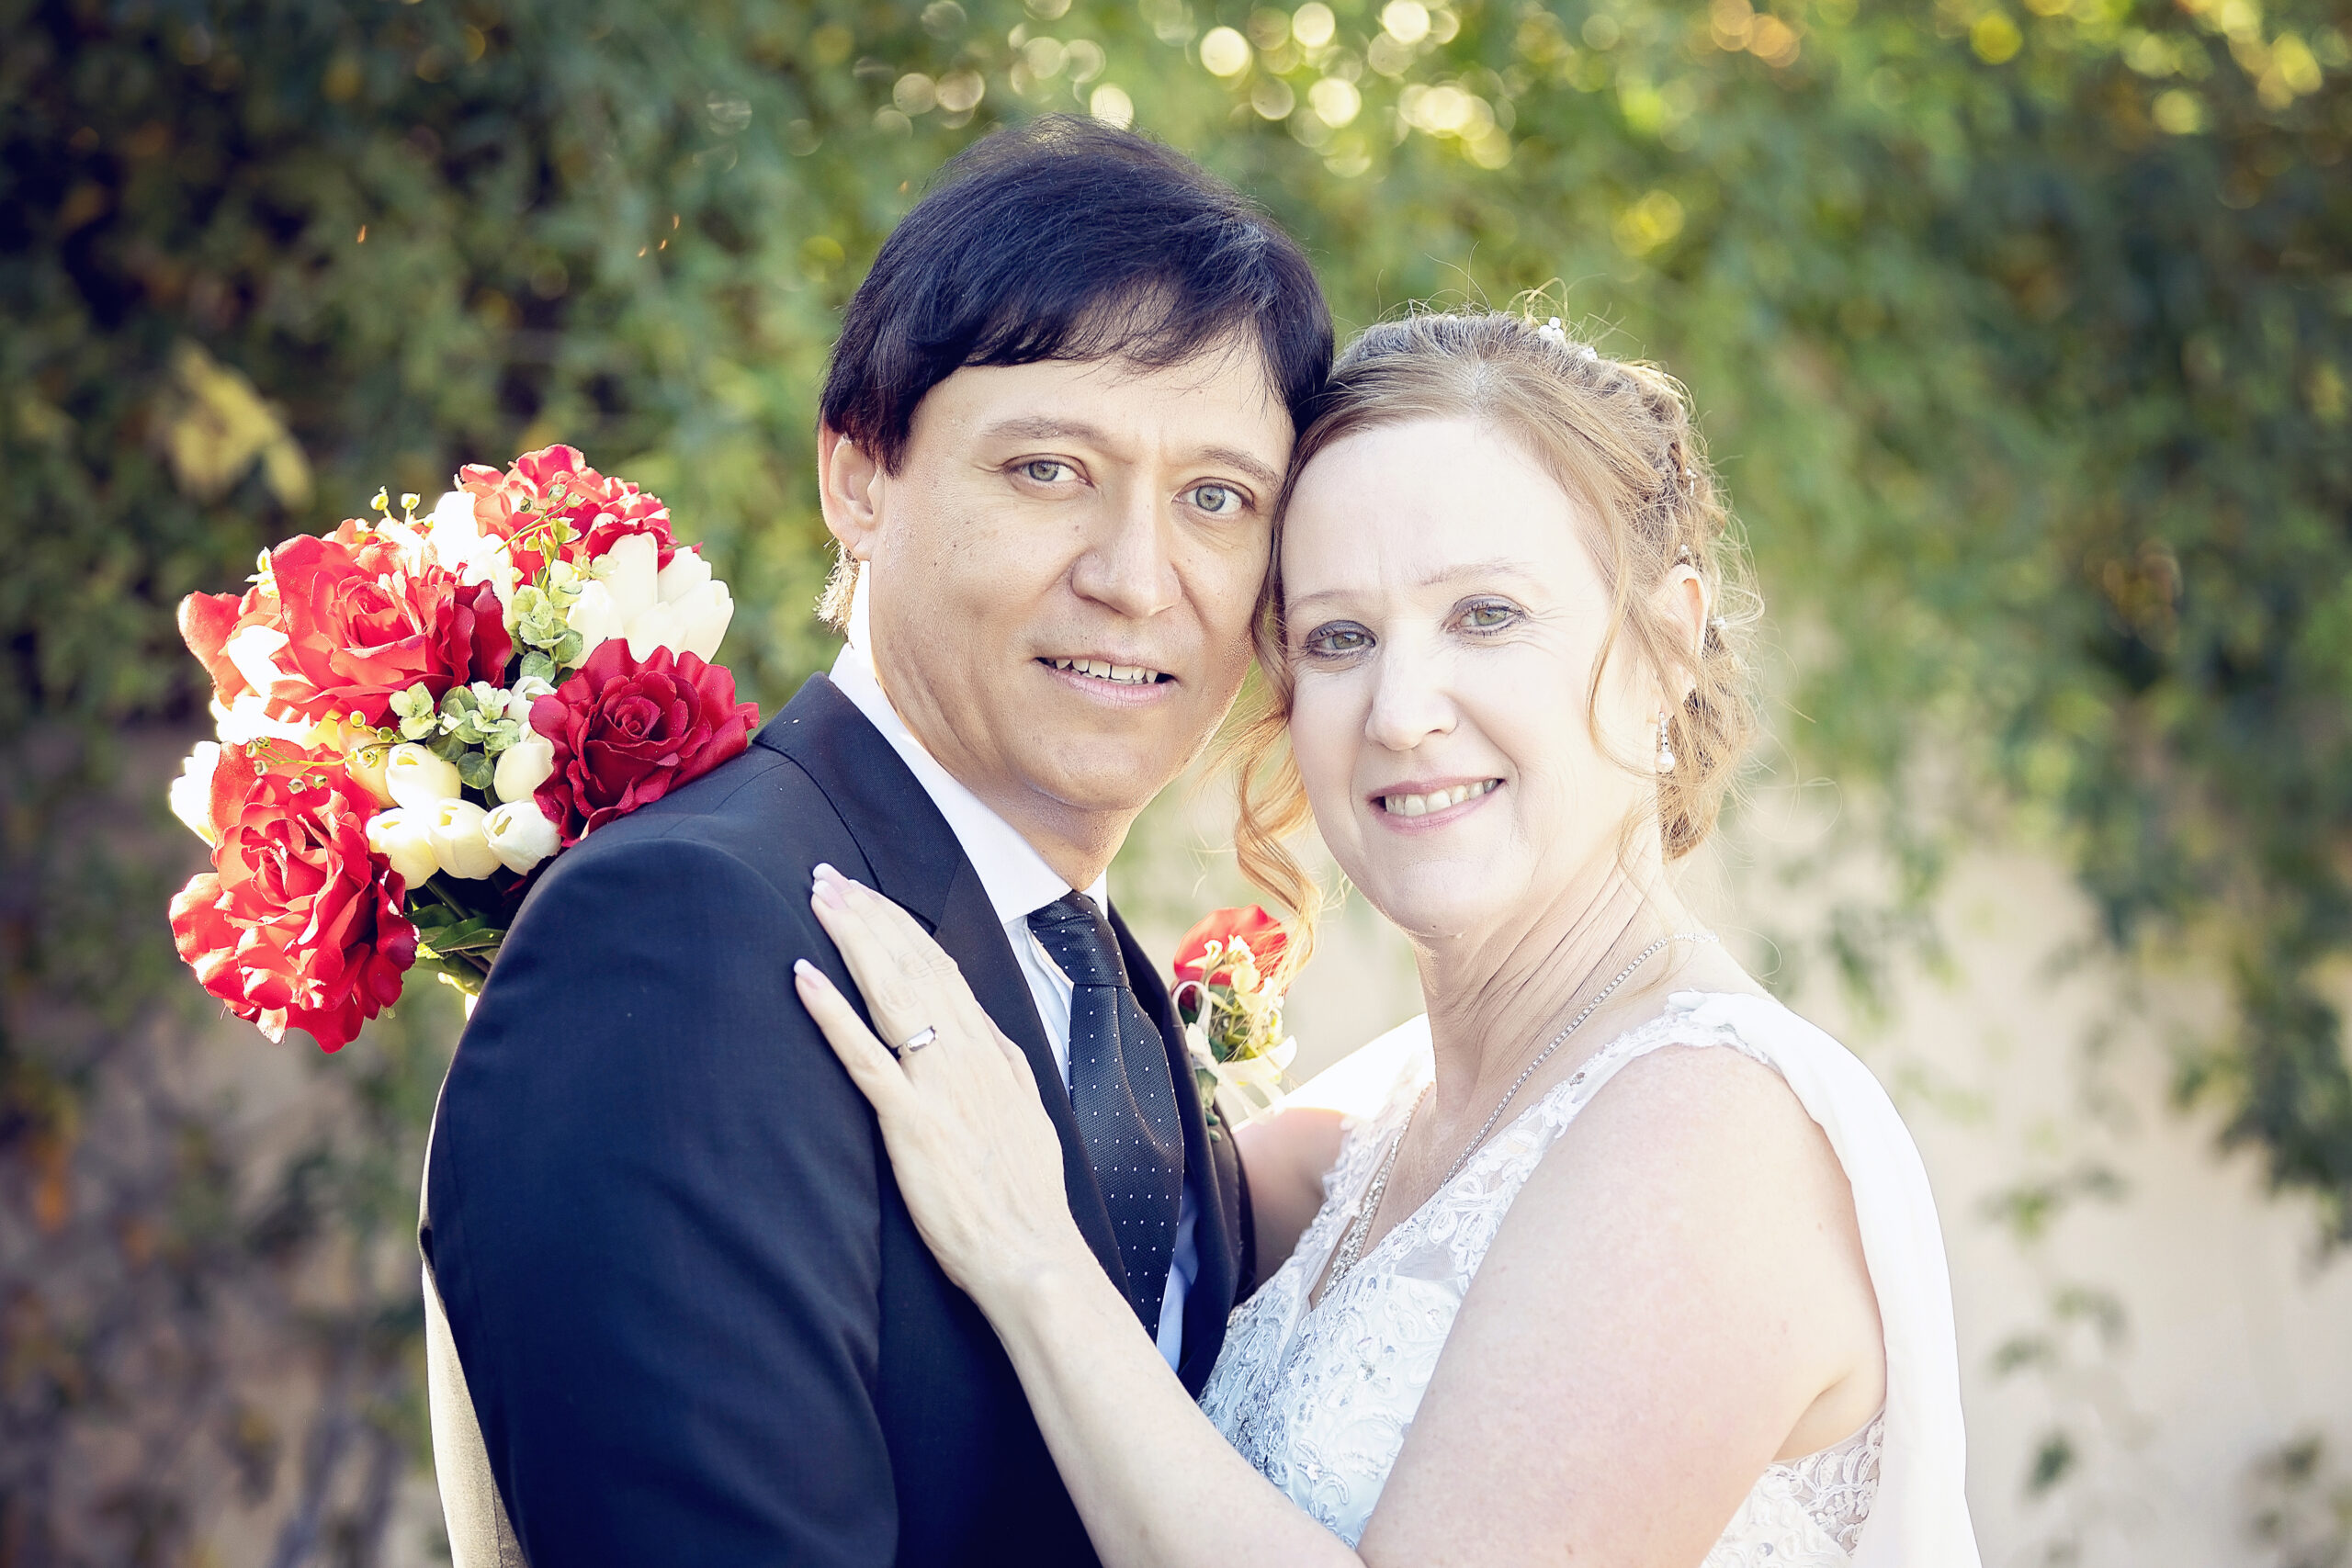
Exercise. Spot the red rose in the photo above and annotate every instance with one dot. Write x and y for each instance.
(556, 481)
(1248, 923)
(627, 733)
(551, 472)
(627, 510)
(361, 627)
(207, 622)
(498, 513)
(297, 926)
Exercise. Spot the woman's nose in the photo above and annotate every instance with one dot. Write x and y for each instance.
(1127, 566)
(1410, 704)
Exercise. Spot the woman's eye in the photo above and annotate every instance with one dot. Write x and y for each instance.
(1487, 617)
(1217, 501)
(1044, 471)
(1336, 641)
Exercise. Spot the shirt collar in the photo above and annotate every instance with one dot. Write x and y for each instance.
(1014, 874)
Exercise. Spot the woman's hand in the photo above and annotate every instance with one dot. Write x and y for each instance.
(976, 1159)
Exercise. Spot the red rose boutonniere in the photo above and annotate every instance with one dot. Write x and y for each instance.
(1231, 971)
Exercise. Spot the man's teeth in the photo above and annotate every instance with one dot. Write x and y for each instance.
(1422, 804)
(1124, 674)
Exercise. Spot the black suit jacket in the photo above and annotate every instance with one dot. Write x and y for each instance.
(695, 1320)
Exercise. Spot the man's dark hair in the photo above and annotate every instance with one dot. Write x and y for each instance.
(1065, 239)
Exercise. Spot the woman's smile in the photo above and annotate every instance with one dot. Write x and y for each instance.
(1426, 806)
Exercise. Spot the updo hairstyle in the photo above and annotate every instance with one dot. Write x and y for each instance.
(1617, 435)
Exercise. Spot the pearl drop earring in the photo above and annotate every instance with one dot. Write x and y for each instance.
(1664, 745)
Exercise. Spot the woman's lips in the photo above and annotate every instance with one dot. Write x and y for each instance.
(1431, 804)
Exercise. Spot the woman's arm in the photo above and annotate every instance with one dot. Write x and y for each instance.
(981, 1171)
(1676, 1296)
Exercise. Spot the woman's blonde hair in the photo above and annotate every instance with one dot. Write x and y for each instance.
(1618, 437)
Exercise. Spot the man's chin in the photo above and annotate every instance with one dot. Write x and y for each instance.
(1102, 780)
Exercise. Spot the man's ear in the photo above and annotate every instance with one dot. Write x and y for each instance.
(849, 482)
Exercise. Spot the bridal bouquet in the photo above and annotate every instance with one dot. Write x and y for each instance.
(1229, 974)
(416, 713)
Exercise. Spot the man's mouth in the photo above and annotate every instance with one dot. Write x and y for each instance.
(1435, 800)
(1103, 670)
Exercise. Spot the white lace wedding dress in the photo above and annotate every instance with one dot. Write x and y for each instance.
(1319, 1398)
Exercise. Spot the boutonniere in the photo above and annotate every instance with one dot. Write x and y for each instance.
(1230, 974)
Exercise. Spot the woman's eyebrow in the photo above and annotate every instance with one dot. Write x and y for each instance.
(1500, 567)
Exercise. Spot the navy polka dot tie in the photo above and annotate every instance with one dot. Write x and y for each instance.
(1122, 1095)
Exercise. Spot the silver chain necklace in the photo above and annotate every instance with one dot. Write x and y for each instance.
(1350, 1248)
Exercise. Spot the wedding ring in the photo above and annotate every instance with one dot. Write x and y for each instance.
(916, 1041)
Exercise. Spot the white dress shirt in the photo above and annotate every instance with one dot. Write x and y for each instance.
(1017, 881)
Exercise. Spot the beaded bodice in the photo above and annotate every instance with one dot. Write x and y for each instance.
(1319, 1397)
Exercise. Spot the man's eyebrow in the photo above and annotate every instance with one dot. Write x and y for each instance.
(1250, 467)
(1040, 427)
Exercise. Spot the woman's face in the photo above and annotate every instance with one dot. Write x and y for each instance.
(1445, 614)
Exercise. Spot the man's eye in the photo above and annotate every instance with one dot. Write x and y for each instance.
(1336, 641)
(1044, 471)
(1217, 501)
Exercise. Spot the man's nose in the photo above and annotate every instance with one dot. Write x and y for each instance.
(1127, 565)
(1410, 703)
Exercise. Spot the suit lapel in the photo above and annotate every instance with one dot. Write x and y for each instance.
(916, 861)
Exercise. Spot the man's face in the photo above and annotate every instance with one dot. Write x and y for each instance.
(1060, 576)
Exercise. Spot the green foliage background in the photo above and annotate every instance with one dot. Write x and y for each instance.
(2020, 327)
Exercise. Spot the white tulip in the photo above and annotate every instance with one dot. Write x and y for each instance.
(418, 779)
(458, 839)
(402, 837)
(682, 607)
(365, 765)
(452, 527)
(464, 549)
(524, 766)
(659, 626)
(631, 571)
(705, 614)
(192, 791)
(520, 835)
(687, 571)
(692, 625)
(253, 650)
(595, 616)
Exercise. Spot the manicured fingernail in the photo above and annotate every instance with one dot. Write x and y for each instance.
(829, 891)
(804, 970)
